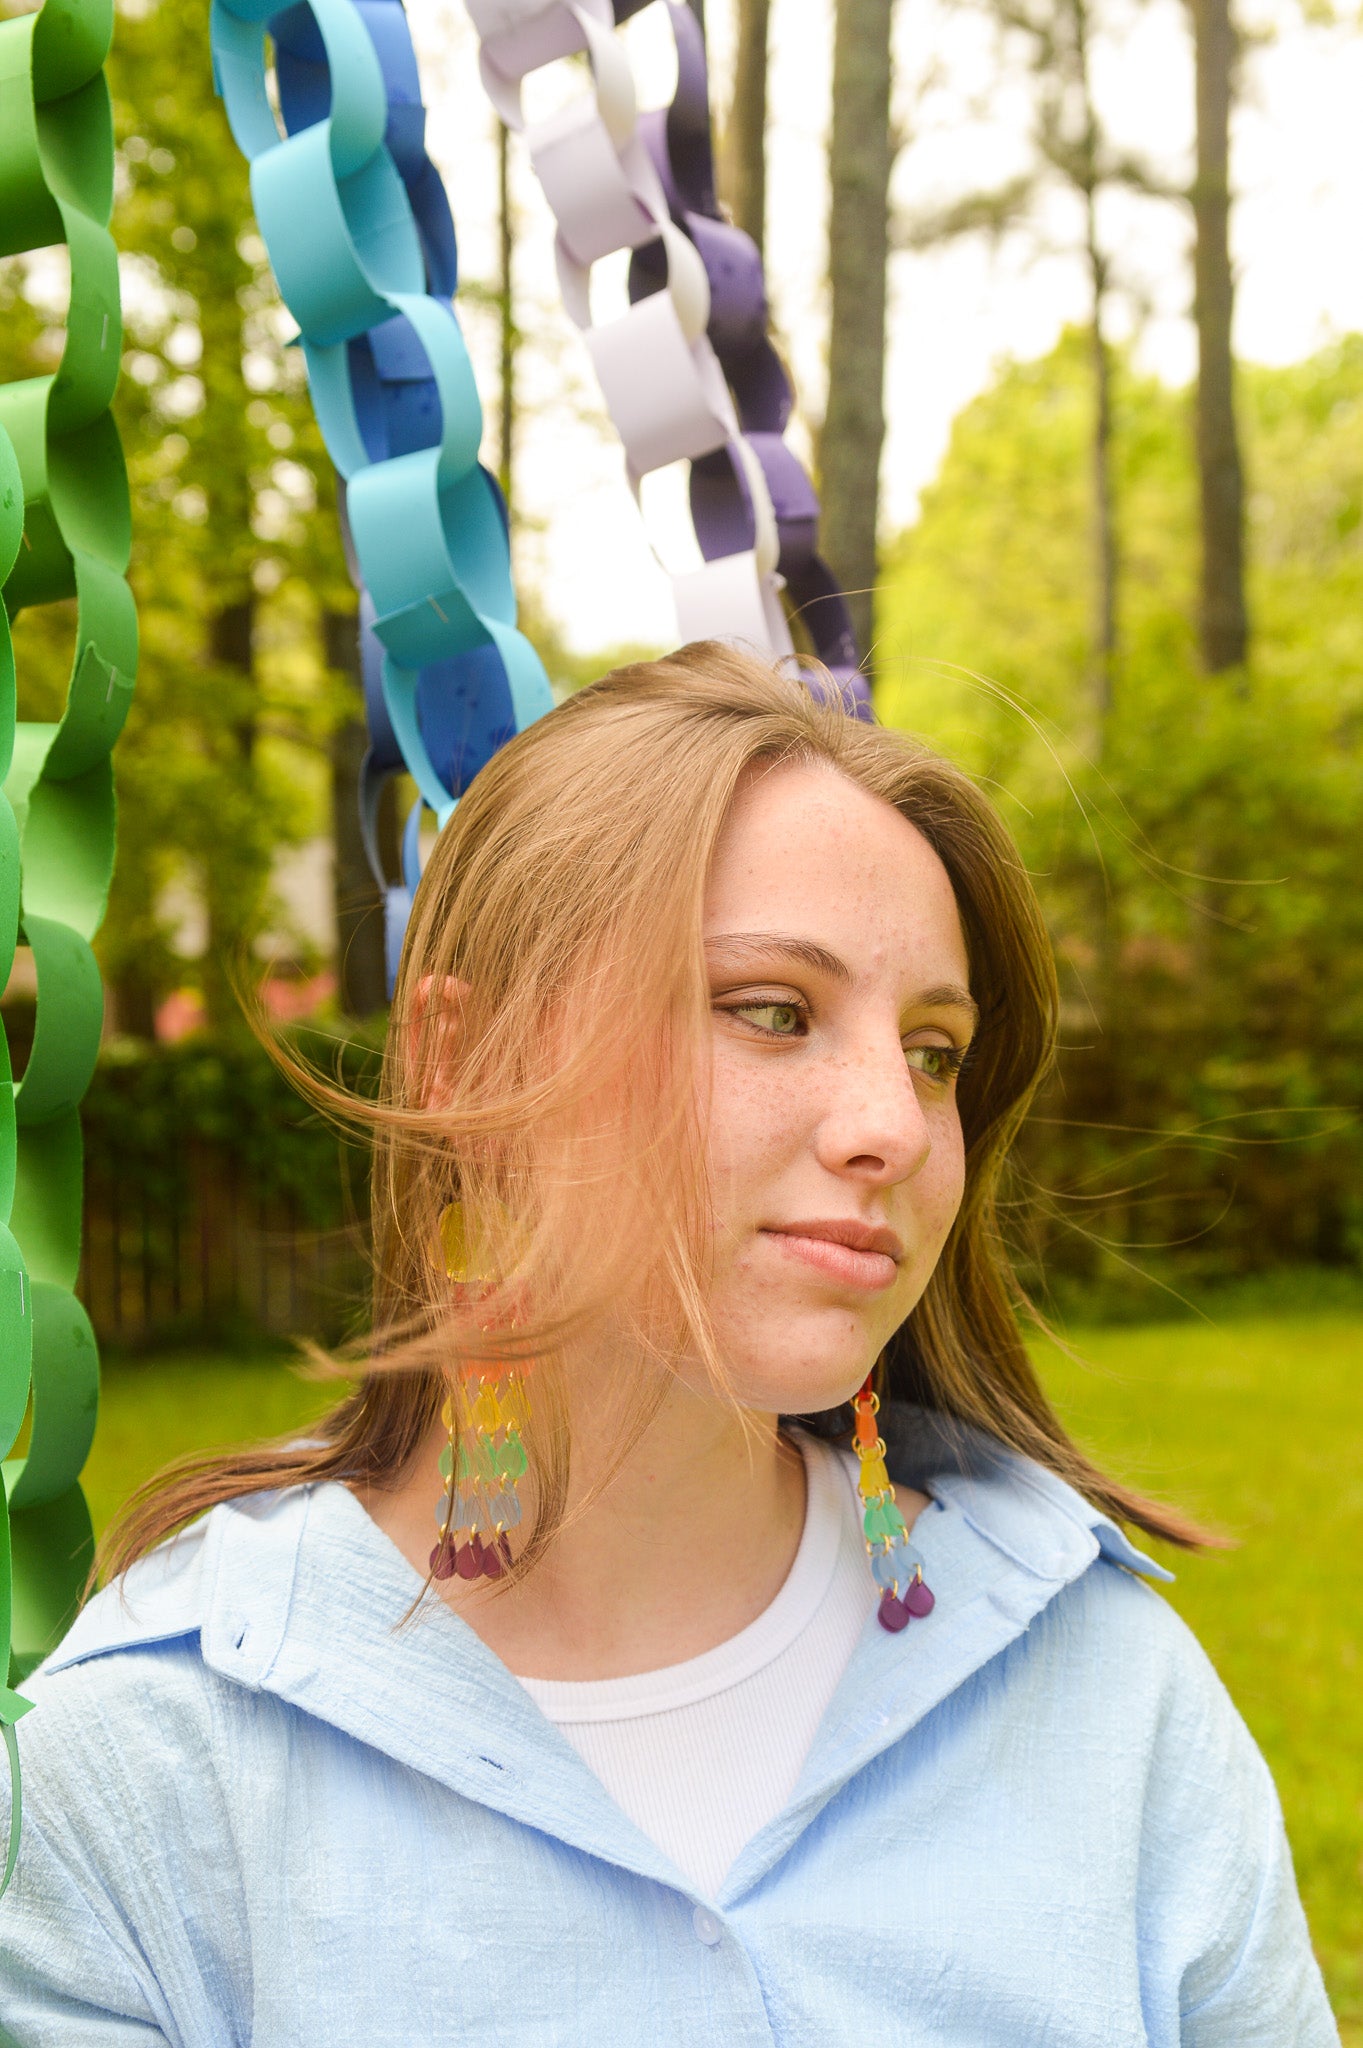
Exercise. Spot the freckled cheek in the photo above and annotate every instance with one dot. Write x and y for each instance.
(753, 1127)
(942, 1187)
(927, 1203)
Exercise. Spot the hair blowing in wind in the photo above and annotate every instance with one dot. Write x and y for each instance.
(544, 1067)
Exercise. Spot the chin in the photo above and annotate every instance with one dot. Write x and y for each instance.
(805, 1356)
(815, 1369)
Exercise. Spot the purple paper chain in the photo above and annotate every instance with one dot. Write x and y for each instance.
(678, 139)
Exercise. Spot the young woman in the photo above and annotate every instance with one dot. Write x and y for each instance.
(612, 1669)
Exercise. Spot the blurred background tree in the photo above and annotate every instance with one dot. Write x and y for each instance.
(235, 490)
(247, 685)
(861, 152)
(1223, 621)
(743, 146)
(1209, 1128)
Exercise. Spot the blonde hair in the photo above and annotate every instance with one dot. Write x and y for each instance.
(540, 1068)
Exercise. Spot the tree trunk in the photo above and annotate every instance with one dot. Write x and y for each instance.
(1105, 909)
(133, 1002)
(361, 980)
(1223, 622)
(744, 156)
(507, 321)
(860, 158)
(231, 642)
(1104, 512)
(1103, 981)
(1078, 155)
(231, 646)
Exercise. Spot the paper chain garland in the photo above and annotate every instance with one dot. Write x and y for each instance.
(16, 1326)
(697, 326)
(679, 142)
(65, 531)
(359, 233)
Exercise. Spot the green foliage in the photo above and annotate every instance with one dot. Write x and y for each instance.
(1199, 876)
(226, 762)
(150, 1107)
(222, 760)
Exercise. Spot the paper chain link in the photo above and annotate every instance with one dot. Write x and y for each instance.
(679, 143)
(16, 1338)
(615, 180)
(65, 531)
(359, 233)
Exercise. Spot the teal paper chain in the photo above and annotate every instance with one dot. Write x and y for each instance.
(71, 539)
(427, 525)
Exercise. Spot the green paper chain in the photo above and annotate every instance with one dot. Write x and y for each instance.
(16, 1326)
(65, 531)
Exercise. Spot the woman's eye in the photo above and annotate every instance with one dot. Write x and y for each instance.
(938, 1062)
(783, 1019)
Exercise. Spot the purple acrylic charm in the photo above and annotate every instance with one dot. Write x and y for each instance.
(892, 1614)
(897, 1610)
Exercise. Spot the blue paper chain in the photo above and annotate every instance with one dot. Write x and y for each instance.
(359, 233)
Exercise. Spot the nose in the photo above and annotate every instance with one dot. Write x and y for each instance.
(874, 1128)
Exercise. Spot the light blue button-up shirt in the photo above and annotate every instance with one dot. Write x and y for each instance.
(261, 1809)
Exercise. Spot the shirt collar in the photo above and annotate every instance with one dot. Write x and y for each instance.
(1002, 1538)
(300, 1595)
(1028, 1512)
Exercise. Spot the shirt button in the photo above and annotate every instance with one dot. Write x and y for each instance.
(707, 1926)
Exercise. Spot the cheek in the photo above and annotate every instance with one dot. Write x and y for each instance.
(752, 1126)
(941, 1185)
(932, 1203)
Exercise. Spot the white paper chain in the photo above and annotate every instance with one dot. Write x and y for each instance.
(661, 380)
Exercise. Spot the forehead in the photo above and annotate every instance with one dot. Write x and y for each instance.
(807, 853)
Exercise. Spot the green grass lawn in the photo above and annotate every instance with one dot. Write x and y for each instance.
(155, 1409)
(1255, 1425)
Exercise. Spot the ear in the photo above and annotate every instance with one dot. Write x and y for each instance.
(435, 1027)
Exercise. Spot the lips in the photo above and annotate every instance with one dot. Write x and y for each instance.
(852, 1253)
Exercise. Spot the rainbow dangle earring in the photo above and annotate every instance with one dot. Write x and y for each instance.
(483, 1463)
(481, 1468)
(895, 1565)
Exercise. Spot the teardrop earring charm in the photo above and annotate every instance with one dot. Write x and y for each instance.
(454, 1251)
(896, 1566)
(485, 1459)
(481, 1467)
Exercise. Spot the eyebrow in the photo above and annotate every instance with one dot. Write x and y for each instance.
(946, 995)
(804, 950)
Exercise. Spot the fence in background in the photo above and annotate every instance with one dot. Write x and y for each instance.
(216, 1262)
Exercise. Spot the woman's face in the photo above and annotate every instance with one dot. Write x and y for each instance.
(840, 1011)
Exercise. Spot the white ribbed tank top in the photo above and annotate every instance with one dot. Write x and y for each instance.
(701, 1755)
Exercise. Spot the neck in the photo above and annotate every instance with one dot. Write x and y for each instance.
(682, 1545)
